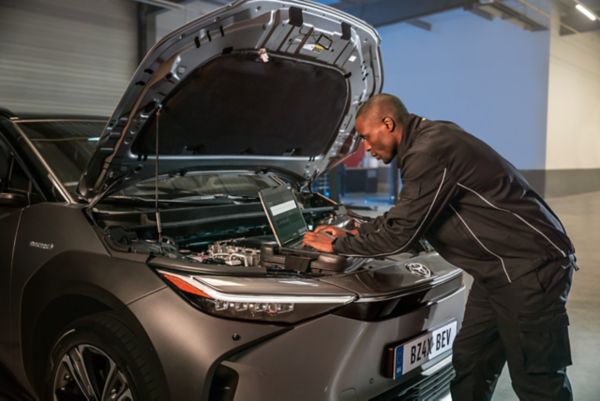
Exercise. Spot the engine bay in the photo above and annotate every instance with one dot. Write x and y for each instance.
(228, 236)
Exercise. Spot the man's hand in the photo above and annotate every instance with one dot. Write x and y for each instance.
(320, 241)
(323, 236)
(334, 231)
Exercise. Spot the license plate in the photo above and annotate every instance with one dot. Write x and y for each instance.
(426, 347)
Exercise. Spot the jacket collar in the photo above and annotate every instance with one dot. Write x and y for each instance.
(410, 128)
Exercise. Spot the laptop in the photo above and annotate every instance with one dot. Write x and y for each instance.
(288, 226)
(284, 215)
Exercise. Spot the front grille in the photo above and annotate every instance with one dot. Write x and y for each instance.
(421, 388)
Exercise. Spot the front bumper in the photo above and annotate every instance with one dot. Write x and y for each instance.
(331, 358)
(335, 358)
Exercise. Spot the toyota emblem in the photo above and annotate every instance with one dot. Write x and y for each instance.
(419, 269)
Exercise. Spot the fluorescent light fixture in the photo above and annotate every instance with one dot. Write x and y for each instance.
(582, 9)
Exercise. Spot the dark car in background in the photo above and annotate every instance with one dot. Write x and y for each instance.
(136, 260)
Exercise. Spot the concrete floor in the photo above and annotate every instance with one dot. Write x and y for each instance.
(581, 216)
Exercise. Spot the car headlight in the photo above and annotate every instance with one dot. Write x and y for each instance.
(207, 294)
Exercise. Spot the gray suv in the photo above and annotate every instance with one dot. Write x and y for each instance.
(137, 262)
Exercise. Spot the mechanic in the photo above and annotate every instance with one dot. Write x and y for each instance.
(480, 214)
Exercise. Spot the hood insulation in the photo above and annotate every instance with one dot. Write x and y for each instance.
(238, 105)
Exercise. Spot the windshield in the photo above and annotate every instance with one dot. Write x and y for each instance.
(67, 147)
(197, 186)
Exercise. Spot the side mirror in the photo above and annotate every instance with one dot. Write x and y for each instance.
(12, 199)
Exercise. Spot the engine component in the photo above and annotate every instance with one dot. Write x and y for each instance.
(233, 254)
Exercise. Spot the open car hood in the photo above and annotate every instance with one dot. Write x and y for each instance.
(257, 83)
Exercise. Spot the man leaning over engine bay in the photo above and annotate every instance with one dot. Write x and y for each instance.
(481, 215)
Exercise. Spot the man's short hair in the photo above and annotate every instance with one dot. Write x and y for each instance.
(385, 104)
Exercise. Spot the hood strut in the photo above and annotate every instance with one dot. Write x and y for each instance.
(156, 173)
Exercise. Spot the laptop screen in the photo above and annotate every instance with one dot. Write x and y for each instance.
(284, 214)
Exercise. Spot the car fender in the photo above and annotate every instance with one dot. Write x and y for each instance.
(71, 285)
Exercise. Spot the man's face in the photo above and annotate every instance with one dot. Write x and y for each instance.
(381, 136)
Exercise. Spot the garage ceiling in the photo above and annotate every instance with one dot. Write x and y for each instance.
(525, 13)
(384, 12)
(529, 14)
(572, 21)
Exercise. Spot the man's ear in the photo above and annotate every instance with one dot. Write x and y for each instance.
(390, 123)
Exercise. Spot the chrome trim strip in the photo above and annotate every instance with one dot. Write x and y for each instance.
(51, 175)
(418, 228)
(430, 284)
(481, 243)
(563, 253)
(438, 366)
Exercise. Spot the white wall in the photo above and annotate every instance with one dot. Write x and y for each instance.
(574, 101)
(490, 77)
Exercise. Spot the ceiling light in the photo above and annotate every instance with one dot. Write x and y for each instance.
(582, 9)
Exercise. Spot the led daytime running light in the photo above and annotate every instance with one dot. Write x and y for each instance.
(254, 308)
(194, 285)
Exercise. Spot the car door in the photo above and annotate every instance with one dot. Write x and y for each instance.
(16, 192)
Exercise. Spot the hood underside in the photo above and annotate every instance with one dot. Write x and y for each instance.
(236, 105)
(255, 84)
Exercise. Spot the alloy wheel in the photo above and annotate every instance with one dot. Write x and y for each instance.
(86, 373)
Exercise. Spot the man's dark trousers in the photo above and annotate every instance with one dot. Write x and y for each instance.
(523, 323)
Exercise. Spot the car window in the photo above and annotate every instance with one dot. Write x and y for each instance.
(67, 146)
(13, 178)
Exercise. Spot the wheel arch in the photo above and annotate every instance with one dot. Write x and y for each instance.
(66, 289)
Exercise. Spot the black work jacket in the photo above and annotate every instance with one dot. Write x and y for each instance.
(471, 204)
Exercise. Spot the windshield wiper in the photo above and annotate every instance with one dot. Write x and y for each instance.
(136, 200)
(182, 201)
(239, 198)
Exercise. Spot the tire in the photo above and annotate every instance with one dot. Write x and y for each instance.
(99, 358)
